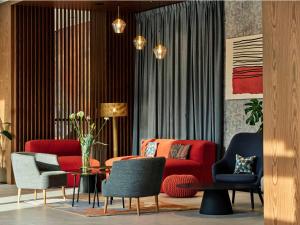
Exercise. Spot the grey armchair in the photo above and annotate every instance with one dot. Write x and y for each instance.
(37, 171)
(134, 179)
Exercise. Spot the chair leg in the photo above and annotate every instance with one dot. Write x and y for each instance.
(260, 196)
(138, 206)
(123, 202)
(63, 192)
(129, 203)
(233, 196)
(105, 205)
(252, 199)
(19, 194)
(45, 196)
(156, 203)
(35, 194)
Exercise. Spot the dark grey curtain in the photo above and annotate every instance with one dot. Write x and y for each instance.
(180, 96)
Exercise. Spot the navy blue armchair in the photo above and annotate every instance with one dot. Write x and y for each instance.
(244, 144)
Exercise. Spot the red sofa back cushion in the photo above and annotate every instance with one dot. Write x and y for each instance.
(203, 152)
(57, 147)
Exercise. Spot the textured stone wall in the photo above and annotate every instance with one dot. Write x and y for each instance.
(242, 18)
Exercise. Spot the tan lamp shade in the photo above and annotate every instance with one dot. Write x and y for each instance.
(113, 109)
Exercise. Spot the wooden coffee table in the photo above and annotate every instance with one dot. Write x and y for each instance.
(215, 199)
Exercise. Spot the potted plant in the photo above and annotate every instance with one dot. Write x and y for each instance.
(254, 111)
(87, 136)
(4, 136)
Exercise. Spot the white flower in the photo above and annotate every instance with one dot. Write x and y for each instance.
(88, 118)
(106, 118)
(80, 114)
(72, 116)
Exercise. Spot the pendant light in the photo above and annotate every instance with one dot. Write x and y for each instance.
(139, 41)
(160, 51)
(118, 24)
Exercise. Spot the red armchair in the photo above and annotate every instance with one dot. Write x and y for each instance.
(67, 151)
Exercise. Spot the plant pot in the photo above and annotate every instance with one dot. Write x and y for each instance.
(2, 175)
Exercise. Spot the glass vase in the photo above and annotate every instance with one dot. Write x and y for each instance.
(85, 157)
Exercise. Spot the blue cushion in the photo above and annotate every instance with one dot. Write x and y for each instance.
(236, 178)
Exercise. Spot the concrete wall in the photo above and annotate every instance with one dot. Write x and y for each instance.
(242, 18)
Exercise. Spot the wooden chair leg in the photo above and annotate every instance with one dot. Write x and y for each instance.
(233, 196)
(138, 206)
(129, 203)
(45, 196)
(105, 205)
(19, 194)
(123, 202)
(252, 199)
(35, 194)
(156, 203)
(63, 192)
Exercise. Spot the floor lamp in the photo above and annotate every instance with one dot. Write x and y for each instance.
(114, 110)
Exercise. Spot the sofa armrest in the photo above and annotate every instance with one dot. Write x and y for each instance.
(47, 162)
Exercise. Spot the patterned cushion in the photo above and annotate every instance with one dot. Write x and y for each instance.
(244, 165)
(179, 151)
(150, 150)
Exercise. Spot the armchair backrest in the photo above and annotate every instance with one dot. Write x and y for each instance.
(246, 144)
(137, 177)
(25, 169)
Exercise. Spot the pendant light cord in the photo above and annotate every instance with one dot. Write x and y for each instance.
(118, 12)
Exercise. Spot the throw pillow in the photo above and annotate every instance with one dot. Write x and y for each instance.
(244, 165)
(150, 150)
(179, 151)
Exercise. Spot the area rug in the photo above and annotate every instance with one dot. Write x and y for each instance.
(147, 206)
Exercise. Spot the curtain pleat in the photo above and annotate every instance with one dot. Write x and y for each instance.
(180, 96)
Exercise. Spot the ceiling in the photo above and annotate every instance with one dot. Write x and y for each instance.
(128, 6)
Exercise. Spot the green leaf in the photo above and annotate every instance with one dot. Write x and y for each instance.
(6, 134)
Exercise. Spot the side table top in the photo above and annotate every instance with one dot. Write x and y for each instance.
(213, 186)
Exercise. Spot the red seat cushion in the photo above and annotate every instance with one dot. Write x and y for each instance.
(69, 163)
(181, 166)
(171, 189)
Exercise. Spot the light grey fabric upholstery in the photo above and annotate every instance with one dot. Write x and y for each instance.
(37, 171)
(134, 178)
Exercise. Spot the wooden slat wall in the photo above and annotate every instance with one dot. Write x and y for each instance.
(70, 60)
(34, 84)
(72, 67)
(113, 62)
(99, 86)
(281, 22)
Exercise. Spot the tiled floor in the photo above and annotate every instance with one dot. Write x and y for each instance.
(25, 214)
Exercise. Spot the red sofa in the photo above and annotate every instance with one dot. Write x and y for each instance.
(67, 151)
(201, 157)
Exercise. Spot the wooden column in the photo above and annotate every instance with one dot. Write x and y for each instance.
(6, 73)
(281, 30)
